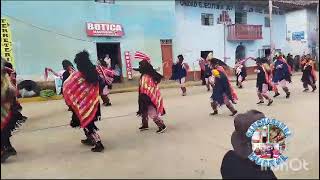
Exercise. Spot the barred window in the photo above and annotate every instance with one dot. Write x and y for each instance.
(105, 1)
(207, 19)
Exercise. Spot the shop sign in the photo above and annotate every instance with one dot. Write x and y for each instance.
(6, 41)
(298, 36)
(104, 29)
(127, 58)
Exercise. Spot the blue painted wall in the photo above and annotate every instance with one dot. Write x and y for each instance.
(144, 23)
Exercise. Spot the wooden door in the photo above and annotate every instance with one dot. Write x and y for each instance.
(167, 57)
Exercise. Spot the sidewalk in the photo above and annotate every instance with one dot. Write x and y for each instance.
(133, 86)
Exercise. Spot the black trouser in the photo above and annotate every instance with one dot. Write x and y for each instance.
(202, 77)
(5, 139)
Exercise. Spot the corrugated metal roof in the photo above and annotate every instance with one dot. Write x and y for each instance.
(282, 4)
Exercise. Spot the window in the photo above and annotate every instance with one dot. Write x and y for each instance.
(105, 1)
(266, 22)
(241, 18)
(207, 19)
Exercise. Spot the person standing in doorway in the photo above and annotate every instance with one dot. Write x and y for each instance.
(179, 73)
(107, 59)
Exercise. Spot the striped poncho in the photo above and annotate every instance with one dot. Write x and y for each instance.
(82, 97)
(151, 89)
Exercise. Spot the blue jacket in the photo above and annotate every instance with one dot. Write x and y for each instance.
(281, 72)
(178, 72)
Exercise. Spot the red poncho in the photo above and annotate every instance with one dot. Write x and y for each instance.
(151, 89)
(82, 97)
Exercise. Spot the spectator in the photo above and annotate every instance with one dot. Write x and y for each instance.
(296, 61)
(290, 60)
(235, 164)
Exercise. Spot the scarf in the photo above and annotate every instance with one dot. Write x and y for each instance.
(233, 91)
(151, 89)
(82, 97)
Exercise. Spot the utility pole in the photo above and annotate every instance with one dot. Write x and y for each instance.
(271, 40)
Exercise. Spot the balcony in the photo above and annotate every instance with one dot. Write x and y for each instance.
(238, 32)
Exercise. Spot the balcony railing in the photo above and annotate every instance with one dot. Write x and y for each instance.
(244, 32)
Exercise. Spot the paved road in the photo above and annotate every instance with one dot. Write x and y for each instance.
(193, 146)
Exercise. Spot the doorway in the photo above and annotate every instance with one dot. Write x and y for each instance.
(113, 50)
(240, 52)
(167, 57)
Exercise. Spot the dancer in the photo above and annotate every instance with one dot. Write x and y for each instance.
(221, 93)
(13, 78)
(309, 75)
(217, 64)
(202, 63)
(11, 118)
(263, 83)
(107, 75)
(241, 73)
(68, 69)
(179, 73)
(81, 92)
(282, 75)
(207, 73)
(149, 100)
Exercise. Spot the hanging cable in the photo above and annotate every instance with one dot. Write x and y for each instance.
(44, 29)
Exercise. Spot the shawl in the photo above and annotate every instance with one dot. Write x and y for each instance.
(151, 89)
(82, 97)
(233, 91)
(105, 73)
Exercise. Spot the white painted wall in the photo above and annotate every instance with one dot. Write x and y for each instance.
(191, 37)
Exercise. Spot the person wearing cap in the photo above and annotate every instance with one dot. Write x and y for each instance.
(179, 73)
(282, 75)
(263, 83)
(149, 100)
(235, 163)
(221, 93)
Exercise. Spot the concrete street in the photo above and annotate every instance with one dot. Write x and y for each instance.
(192, 147)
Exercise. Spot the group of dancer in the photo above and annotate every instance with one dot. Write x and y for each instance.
(82, 88)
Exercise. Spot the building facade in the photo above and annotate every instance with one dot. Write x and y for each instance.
(46, 32)
(302, 31)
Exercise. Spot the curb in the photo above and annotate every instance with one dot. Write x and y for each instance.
(129, 89)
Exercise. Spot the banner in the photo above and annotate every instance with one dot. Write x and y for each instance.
(128, 64)
(6, 41)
